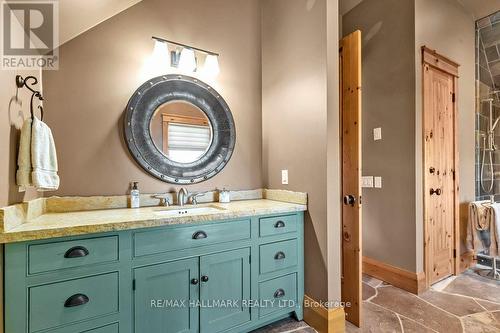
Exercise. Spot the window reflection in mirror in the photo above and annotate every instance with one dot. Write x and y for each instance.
(181, 131)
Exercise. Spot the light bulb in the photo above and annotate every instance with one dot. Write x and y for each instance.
(187, 62)
(211, 68)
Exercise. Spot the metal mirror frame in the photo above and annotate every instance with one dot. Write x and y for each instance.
(163, 89)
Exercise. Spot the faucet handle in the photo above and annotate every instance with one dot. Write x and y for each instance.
(164, 199)
(194, 197)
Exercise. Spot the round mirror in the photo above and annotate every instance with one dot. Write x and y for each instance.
(181, 131)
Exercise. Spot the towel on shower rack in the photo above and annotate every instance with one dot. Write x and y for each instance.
(479, 236)
(495, 228)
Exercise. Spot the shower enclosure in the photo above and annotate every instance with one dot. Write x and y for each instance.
(488, 124)
(488, 108)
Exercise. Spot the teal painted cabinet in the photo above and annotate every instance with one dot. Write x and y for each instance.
(224, 288)
(163, 296)
(205, 277)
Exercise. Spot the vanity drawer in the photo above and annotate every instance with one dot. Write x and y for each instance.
(67, 302)
(278, 295)
(279, 255)
(179, 238)
(113, 328)
(53, 256)
(277, 225)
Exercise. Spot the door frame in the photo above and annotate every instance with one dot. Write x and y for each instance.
(439, 62)
(350, 65)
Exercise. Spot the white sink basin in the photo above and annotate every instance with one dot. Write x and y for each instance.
(188, 211)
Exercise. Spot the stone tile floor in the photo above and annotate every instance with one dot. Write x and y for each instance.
(467, 303)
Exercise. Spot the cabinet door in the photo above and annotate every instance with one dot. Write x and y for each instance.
(162, 297)
(225, 284)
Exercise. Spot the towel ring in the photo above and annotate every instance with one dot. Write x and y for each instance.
(23, 82)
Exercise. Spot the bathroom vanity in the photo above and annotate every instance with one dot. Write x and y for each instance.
(125, 270)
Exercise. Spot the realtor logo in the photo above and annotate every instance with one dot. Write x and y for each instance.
(30, 34)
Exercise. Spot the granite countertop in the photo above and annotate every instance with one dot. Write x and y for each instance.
(45, 223)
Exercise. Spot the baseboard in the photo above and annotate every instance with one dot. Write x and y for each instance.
(322, 319)
(467, 260)
(406, 280)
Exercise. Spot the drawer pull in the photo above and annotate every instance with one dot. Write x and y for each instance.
(204, 278)
(279, 224)
(194, 281)
(279, 293)
(279, 255)
(76, 252)
(200, 235)
(76, 300)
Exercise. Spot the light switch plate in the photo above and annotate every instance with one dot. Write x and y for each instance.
(378, 182)
(367, 181)
(377, 134)
(284, 177)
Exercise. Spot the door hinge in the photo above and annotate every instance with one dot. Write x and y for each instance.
(454, 253)
(133, 284)
(453, 171)
(453, 97)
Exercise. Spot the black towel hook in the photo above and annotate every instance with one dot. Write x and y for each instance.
(23, 82)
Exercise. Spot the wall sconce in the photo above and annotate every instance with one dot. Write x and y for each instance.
(185, 59)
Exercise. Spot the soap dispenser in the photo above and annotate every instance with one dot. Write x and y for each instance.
(135, 196)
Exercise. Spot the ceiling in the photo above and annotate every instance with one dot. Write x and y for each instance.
(78, 16)
(478, 8)
(481, 8)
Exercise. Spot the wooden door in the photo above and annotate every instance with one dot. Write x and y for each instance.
(350, 99)
(175, 282)
(440, 166)
(225, 277)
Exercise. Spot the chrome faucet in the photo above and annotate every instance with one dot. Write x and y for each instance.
(164, 199)
(182, 196)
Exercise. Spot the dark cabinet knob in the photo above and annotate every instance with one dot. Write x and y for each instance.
(76, 300)
(432, 170)
(349, 200)
(204, 278)
(194, 281)
(76, 252)
(435, 191)
(279, 224)
(200, 235)
(279, 293)
(279, 255)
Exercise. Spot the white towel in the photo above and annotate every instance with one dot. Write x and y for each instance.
(43, 157)
(23, 174)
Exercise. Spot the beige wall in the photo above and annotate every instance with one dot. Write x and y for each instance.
(12, 115)
(294, 118)
(388, 102)
(100, 70)
(334, 211)
(449, 29)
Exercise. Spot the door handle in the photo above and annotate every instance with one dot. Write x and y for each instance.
(435, 191)
(349, 200)
(204, 278)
